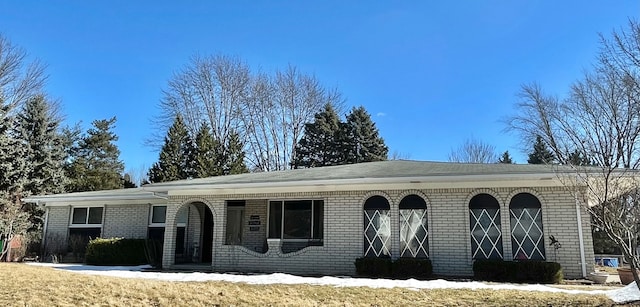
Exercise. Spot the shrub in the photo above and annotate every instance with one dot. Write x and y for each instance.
(116, 251)
(373, 267)
(400, 268)
(412, 268)
(518, 271)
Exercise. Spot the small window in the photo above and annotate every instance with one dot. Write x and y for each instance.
(87, 216)
(158, 214)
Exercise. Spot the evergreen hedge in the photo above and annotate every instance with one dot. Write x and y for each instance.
(528, 271)
(116, 251)
(400, 268)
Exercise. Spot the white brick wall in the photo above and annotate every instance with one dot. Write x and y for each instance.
(449, 236)
(125, 221)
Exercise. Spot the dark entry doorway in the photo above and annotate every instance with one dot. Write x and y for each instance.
(207, 235)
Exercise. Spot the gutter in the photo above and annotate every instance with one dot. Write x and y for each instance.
(44, 230)
(164, 187)
(71, 197)
(580, 238)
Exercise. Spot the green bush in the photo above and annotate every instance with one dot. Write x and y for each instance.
(412, 268)
(116, 251)
(529, 271)
(400, 268)
(373, 267)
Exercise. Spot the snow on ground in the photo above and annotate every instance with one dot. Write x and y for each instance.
(621, 295)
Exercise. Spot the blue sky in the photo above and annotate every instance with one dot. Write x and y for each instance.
(431, 74)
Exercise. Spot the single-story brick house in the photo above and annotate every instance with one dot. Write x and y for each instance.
(319, 220)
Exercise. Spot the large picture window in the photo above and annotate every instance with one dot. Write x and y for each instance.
(377, 227)
(292, 220)
(414, 234)
(527, 238)
(485, 227)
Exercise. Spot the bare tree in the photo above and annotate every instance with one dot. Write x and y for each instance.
(268, 111)
(396, 155)
(600, 120)
(138, 175)
(20, 79)
(474, 151)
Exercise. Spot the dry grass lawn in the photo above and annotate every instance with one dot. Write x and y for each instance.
(23, 285)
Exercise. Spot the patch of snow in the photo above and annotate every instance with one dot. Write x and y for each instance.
(621, 295)
(629, 293)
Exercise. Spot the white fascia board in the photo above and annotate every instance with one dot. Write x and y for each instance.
(145, 197)
(368, 184)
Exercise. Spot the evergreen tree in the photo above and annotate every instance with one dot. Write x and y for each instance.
(541, 153)
(361, 140)
(97, 164)
(14, 220)
(576, 158)
(234, 158)
(128, 183)
(37, 133)
(208, 154)
(177, 155)
(320, 144)
(37, 130)
(505, 158)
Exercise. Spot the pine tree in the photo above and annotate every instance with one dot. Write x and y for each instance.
(505, 158)
(541, 153)
(97, 164)
(37, 130)
(362, 142)
(37, 133)
(127, 182)
(14, 220)
(177, 155)
(576, 158)
(234, 158)
(320, 144)
(208, 154)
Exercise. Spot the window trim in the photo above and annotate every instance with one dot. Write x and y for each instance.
(86, 219)
(282, 201)
(151, 223)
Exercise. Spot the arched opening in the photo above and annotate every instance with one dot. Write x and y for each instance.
(414, 230)
(194, 234)
(377, 227)
(527, 238)
(485, 227)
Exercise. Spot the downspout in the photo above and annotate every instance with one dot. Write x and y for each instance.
(583, 261)
(44, 231)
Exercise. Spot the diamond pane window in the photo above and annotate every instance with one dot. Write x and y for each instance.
(485, 227)
(414, 234)
(527, 236)
(377, 227)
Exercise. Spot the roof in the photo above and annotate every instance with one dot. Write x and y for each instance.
(382, 172)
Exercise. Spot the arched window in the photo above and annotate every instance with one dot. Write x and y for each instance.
(485, 227)
(377, 227)
(414, 234)
(527, 240)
